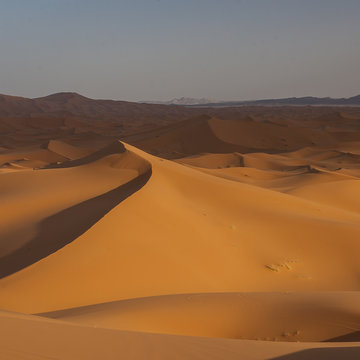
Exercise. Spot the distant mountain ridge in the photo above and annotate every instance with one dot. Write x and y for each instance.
(73, 104)
(70, 104)
(69, 114)
(185, 101)
(300, 101)
(66, 104)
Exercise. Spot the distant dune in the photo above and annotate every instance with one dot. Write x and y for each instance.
(160, 232)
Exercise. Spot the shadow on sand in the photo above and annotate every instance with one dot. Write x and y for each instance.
(354, 336)
(335, 353)
(65, 226)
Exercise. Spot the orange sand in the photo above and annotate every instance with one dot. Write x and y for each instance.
(209, 238)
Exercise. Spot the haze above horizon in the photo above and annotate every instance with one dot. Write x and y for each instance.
(159, 50)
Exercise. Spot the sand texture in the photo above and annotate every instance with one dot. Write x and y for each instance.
(211, 234)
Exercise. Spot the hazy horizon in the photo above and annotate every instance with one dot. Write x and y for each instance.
(157, 50)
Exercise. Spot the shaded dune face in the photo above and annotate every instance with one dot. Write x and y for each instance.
(207, 238)
(62, 230)
(188, 137)
(59, 229)
(206, 134)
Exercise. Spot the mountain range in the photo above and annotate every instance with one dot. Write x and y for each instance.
(185, 101)
(300, 101)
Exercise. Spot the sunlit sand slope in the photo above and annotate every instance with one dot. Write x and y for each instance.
(219, 233)
(258, 316)
(190, 232)
(30, 337)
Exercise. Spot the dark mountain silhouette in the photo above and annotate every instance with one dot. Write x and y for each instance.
(73, 104)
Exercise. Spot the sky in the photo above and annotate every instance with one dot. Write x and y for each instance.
(139, 50)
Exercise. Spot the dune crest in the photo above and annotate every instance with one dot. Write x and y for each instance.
(50, 227)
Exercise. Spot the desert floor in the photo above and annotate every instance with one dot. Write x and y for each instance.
(209, 238)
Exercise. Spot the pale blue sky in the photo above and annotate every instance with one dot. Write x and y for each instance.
(160, 49)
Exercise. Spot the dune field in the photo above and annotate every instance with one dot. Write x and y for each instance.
(206, 234)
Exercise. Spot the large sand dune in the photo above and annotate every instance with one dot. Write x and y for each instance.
(30, 337)
(246, 246)
(283, 316)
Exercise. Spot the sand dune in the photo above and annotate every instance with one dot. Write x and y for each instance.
(342, 194)
(283, 316)
(25, 235)
(66, 150)
(32, 337)
(220, 236)
(209, 134)
(217, 234)
(267, 135)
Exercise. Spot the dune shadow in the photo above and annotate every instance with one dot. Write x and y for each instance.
(116, 147)
(353, 336)
(62, 228)
(335, 353)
